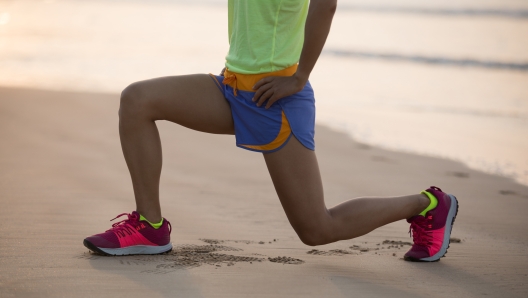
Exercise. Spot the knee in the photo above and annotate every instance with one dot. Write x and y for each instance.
(132, 101)
(313, 236)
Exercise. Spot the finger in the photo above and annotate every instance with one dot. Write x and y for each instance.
(272, 100)
(260, 91)
(265, 97)
(262, 82)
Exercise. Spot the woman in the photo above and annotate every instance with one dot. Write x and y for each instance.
(264, 98)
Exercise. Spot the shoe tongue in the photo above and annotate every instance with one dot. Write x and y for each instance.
(416, 218)
(135, 214)
(412, 219)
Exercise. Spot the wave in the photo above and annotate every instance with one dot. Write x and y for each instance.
(521, 66)
(454, 12)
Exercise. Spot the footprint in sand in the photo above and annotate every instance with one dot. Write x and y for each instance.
(190, 256)
(363, 146)
(380, 158)
(216, 241)
(507, 192)
(286, 260)
(458, 174)
(333, 252)
(392, 242)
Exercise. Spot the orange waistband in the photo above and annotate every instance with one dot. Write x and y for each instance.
(245, 82)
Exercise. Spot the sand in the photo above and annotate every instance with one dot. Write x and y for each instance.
(62, 177)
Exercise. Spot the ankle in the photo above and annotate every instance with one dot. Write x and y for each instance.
(422, 203)
(152, 217)
(155, 225)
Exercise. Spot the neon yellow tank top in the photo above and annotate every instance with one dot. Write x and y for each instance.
(265, 35)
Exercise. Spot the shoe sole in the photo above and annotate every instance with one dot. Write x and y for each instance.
(131, 250)
(450, 221)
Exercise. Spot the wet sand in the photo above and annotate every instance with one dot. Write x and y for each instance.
(62, 177)
(390, 73)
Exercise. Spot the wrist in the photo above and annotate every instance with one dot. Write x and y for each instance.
(302, 79)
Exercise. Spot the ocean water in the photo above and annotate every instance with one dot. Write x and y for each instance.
(440, 78)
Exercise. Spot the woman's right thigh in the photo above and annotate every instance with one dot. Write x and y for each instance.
(193, 101)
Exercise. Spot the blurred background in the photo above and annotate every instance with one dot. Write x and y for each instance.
(441, 78)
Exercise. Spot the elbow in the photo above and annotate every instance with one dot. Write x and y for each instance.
(323, 7)
(332, 6)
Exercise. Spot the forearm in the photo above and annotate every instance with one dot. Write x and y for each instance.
(318, 22)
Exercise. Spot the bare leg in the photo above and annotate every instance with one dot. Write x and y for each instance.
(295, 174)
(193, 101)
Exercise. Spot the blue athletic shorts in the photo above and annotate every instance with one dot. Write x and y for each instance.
(268, 130)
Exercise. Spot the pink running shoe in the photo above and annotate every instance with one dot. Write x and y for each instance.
(431, 232)
(131, 237)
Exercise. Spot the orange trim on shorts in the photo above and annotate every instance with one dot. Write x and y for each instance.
(245, 82)
(282, 137)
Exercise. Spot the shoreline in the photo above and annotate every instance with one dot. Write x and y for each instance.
(393, 96)
(483, 166)
(63, 177)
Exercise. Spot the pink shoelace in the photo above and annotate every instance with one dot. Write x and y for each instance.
(419, 232)
(131, 222)
(125, 225)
